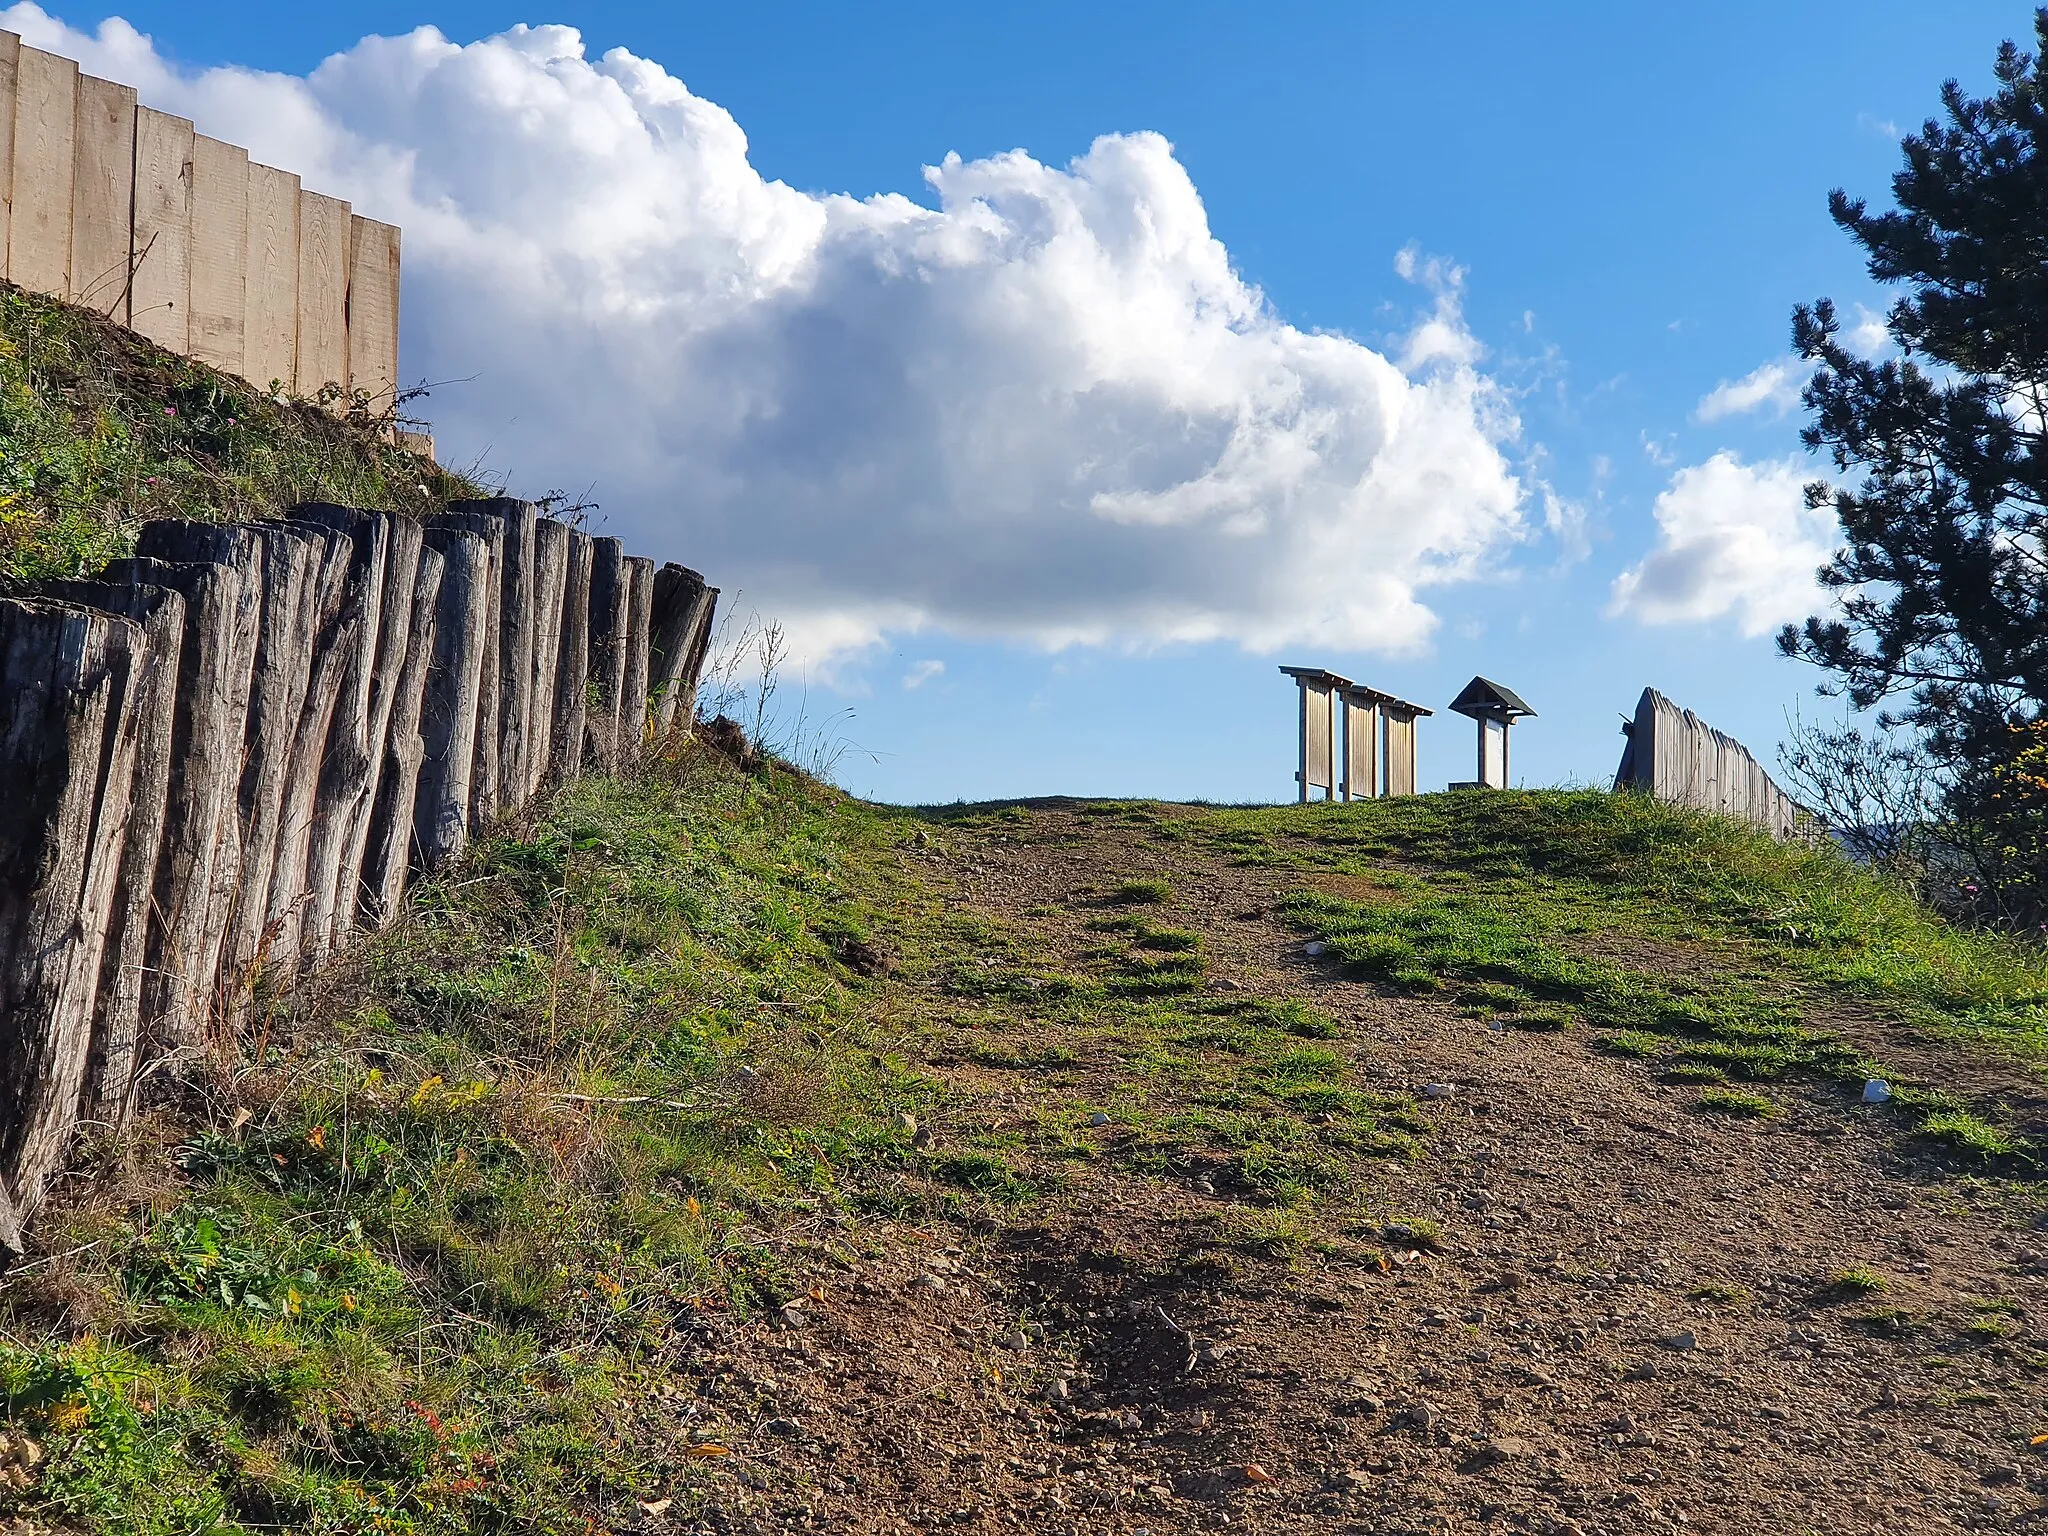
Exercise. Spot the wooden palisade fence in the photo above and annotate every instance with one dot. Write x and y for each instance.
(223, 756)
(131, 212)
(1679, 758)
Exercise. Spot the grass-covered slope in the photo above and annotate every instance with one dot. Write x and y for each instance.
(100, 431)
(524, 1163)
(395, 1275)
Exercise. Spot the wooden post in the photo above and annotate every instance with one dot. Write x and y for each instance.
(608, 619)
(639, 622)
(332, 653)
(572, 672)
(387, 856)
(67, 755)
(400, 610)
(292, 565)
(218, 568)
(515, 531)
(681, 608)
(348, 772)
(693, 669)
(452, 716)
(117, 1005)
(550, 573)
(484, 771)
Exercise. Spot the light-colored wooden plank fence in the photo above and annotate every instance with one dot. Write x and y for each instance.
(232, 751)
(1677, 757)
(128, 211)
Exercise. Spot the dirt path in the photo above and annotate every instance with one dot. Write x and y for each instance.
(1580, 1307)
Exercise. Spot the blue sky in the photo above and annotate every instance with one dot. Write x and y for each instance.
(1636, 196)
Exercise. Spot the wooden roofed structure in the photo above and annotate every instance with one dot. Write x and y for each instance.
(1378, 738)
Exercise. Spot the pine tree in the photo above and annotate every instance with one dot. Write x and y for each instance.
(1941, 457)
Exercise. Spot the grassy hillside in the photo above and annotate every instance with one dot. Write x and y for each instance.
(492, 1200)
(100, 431)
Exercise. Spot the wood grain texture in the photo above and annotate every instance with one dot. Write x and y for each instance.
(608, 619)
(218, 568)
(1400, 731)
(451, 711)
(639, 625)
(388, 853)
(484, 772)
(117, 1004)
(572, 672)
(102, 196)
(1317, 768)
(65, 676)
(1361, 749)
(373, 311)
(10, 70)
(270, 305)
(322, 360)
(348, 770)
(45, 138)
(160, 248)
(678, 594)
(330, 656)
(550, 574)
(219, 259)
(513, 539)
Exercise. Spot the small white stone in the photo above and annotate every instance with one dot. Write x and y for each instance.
(1876, 1091)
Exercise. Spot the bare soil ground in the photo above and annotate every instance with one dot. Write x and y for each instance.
(1581, 1307)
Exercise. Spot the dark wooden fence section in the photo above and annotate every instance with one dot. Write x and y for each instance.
(1679, 758)
(223, 756)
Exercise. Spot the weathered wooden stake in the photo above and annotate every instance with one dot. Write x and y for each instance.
(67, 756)
(117, 1004)
(633, 686)
(452, 716)
(608, 618)
(348, 770)
(484, 769)
(219, 570)
(572, 671)
(515, 639)
(550, 573)
(388, 844)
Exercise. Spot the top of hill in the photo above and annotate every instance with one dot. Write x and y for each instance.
(716, 1152)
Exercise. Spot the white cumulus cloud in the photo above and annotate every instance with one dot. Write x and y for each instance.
(1775, 386)
(1734, 539)
(1045, 407)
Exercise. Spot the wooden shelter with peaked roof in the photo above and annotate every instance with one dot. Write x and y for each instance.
(1495, 707)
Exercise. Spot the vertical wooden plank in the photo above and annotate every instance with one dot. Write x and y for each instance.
(270, 274)
(160, 302)
(1493, 754)
(510, 523)
(639, 634)
(550, 576)
(387, 850)
(450, 716)
(67, 752)
(572, 673)
(1361, 748)
(218, 568)
(484, 772)
(678, 610)
(10, 71)
(117, 1004)
(1320, 774)
(103, 196)
(323, 296)
(45, 136)
(219, 248)
(693, 670)
(1400, 753)
(373, 311)
(607, 651)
